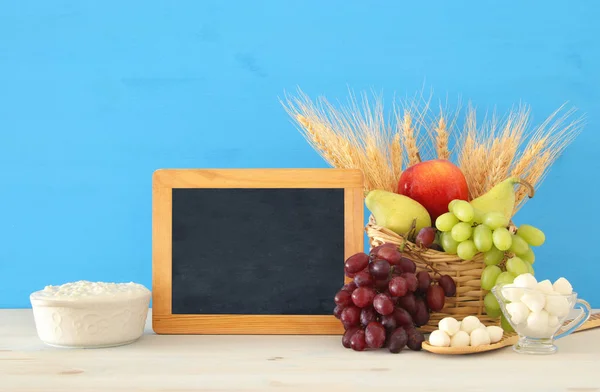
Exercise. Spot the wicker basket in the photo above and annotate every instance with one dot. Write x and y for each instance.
(468, 299)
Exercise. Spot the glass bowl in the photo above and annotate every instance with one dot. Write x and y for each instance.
(539, 329)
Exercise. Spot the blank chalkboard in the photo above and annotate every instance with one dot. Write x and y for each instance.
(279, 255)
(252, 250)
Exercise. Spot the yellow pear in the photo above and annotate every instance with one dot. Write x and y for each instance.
(501, 198)
(396, 212)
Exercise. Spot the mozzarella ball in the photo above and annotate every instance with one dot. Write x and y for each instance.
(480, 337)
(557, 305)
(469, 323)
(534, 300)
(545, 286)
(460, 339)
(538, 321)
(552, 321)
(562, 286)
(495, 333)
(512, 292)
(518, 312)
(527, 281)
(439, 338)
(450, 325)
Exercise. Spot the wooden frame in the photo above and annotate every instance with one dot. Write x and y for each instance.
(163, 182)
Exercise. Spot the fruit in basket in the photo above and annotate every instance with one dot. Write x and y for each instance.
(388, 253)
(516, 266)
(491, 305)
(375, 335)
(379, 269)
(397, 212)
(482, 237)
(363, 296)
(529, 256)
(357, 341)
(518, 245)
(398, 340)
(435, 298)
(495, 219)
(446, 221)
(449, 244)
(501, 198)
(448, 285)
(506, 254)
(356, 263)
(489, 276)
(424, 281)
(466, 250)
(494, 256)
(386, 302)
(434, 184)
(383, 304)
(502, 238)
(532, 235)
(425, 237)
(398, 286)
(462, 231)
(462, 210)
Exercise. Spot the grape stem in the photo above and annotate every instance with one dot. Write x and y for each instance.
(429, 265)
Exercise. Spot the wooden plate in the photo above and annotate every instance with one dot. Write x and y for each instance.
(508, 339)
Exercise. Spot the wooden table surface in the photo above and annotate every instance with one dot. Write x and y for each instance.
(283, 363)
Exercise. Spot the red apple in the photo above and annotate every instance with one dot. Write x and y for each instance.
(434, 184)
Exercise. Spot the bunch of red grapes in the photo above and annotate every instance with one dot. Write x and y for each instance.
(387, 300)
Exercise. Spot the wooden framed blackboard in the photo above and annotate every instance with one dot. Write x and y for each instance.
(252, 251)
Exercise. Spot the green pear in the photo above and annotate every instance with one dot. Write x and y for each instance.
(501, 198)
(397, 212)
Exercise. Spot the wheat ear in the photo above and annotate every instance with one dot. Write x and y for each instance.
(441, 140)
(396, 156)
(410, 141)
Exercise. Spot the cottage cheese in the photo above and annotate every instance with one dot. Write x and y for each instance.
(74, 291)
(88, 314)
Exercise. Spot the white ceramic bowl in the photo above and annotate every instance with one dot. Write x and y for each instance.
(87, 314)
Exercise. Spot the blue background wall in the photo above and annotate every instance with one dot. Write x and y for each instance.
(96, 95)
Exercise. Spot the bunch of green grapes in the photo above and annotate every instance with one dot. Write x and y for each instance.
(465, 231)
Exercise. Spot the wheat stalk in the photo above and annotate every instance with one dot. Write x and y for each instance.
(442, 139)
(534, 176)
(317, 134)
(467, 160)
(358, 136)
(533, 150)
(409, 140)
(396, 156)
(557, 137)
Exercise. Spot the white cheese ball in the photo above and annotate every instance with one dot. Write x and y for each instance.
(538, 321)
(534, 300)
(512, 292)
(545, 286)
(480, 337)
(495, 333)
(469, 323)
(450, 325)
(518, 312)
(460, 339)
(557, 305)
(527, 281)
(439, 338)
(562, 286)
(552, 321)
